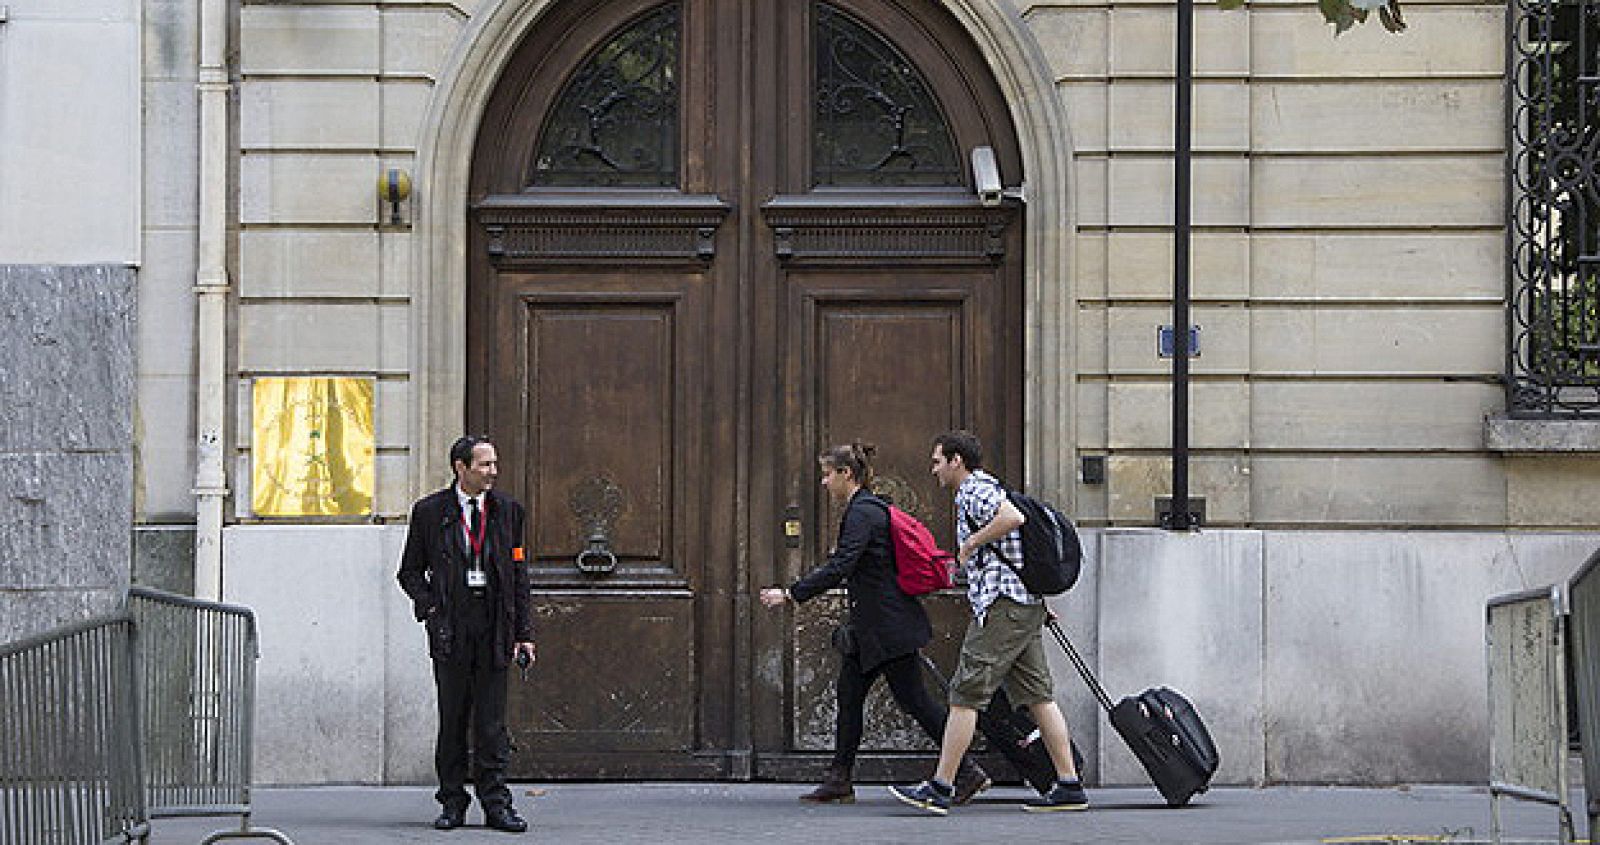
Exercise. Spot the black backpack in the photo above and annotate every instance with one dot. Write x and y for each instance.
(1052, 557)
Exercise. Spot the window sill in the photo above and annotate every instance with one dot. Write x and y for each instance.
(1521, 436)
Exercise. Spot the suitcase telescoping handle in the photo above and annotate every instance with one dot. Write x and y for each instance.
(1077, 660)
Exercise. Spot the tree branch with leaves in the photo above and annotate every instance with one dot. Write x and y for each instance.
(1345, 14)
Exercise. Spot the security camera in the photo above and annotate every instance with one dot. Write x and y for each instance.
(986, 176)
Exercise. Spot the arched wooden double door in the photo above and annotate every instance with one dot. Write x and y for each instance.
(709, 237)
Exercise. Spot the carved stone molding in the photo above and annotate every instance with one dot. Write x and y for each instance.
(937, 228)
(533, 229)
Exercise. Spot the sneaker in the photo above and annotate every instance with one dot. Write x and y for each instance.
(1065, 796)
(970, 781)
(923, 796)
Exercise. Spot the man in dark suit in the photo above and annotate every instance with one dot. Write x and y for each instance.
(463, 569)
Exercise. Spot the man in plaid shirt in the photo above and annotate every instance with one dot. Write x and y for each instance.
(1003, 641)
(979, 499)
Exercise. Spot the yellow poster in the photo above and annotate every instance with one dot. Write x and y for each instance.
(313, 447)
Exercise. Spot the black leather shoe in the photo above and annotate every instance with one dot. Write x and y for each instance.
(450, 820)
(506, 819)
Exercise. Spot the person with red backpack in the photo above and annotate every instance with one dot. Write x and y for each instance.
(884, 632)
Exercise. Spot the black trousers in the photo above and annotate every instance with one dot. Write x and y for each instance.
(472, 694)
(904, 674)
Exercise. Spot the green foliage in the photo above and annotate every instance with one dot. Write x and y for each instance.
(1345, 14)
(1566, 328)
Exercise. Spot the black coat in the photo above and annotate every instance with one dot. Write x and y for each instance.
(433, 570)
(887, 622)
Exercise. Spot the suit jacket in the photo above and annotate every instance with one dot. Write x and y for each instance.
(887, 622)
(433, 570)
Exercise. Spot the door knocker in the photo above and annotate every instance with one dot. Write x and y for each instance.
(596, 502)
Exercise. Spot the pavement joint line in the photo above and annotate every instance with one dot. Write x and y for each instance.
(1394, 839)
(1418, 839)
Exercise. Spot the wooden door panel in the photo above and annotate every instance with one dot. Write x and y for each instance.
(891, 360)
(815, 668)
(603, 385)
(617, 673)
(891, 375)
(600, 428)
(606, 372)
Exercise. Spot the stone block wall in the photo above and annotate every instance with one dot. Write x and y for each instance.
(1314, 657)
(344, 689)
(69, 129)
(1348, 266)
(66, 443)
(331, 95)
(1348, 251)
(169, 236)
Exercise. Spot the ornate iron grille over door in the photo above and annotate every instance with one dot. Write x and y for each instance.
(877, 122)
(616, 123)
(1553, 230)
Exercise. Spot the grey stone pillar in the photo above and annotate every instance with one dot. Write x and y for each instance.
(66, 442)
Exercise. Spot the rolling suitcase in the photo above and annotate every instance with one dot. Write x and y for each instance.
(1011, 731)
(1161, 728)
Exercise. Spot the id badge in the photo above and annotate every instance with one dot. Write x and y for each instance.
(477, 579)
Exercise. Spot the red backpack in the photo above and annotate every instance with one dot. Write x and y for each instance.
(921, 567)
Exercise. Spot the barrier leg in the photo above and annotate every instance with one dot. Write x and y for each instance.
(1494, 818)
(258, 833)
(245, 831)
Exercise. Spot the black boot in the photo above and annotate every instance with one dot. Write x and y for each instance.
(835, 788)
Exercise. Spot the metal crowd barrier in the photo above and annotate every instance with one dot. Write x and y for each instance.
(1583, 594)
(197, 702)
(1528, 704)
(69, 751)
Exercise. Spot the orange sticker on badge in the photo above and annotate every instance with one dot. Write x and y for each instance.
(516, 553)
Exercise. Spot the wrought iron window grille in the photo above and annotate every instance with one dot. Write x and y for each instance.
(1553, 209)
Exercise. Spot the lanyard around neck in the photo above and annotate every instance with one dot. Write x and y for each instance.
(476, 541)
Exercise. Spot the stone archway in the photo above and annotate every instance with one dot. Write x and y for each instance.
(439, 234)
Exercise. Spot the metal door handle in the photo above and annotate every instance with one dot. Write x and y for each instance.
(597, 557)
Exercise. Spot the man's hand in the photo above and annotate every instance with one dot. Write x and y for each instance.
(774, 596)
(1006, 520)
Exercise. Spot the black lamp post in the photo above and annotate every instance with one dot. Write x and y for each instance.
(1180, 517)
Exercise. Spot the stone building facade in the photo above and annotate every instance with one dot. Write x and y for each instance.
(1365, 488)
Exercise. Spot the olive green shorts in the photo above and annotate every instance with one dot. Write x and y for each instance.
(1007, 648)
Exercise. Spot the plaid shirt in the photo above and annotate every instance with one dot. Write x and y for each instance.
(978, 500)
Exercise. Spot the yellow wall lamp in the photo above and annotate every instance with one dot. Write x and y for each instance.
(394, 186)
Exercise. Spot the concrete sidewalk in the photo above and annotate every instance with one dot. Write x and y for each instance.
(581, 813)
